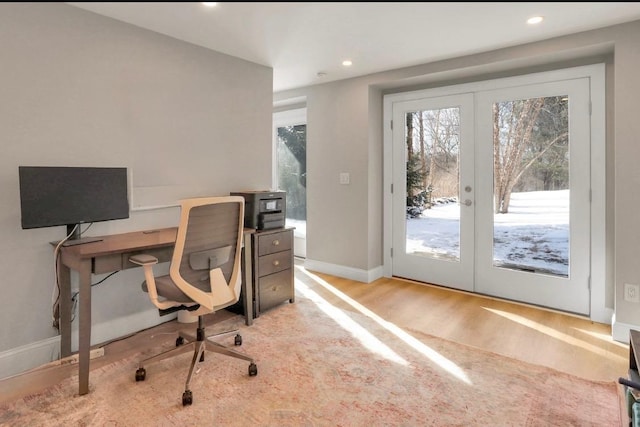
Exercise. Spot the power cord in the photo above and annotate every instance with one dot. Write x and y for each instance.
(55, 297)
(74, 297)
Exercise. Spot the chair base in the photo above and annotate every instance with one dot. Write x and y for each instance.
(198, 345)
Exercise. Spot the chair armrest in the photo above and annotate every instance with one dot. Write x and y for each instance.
(143, 259)
(629, 383)
(147, 262)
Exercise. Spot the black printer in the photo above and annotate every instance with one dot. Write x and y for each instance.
(263, 210)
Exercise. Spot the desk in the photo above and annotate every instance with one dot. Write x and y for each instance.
(112, 254)
(634, 350)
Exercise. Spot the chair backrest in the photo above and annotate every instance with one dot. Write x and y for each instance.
(209, 238)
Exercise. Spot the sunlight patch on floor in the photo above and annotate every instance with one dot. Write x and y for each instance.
(603, 337)
(361, 334)
(554, 333)
(414, 343)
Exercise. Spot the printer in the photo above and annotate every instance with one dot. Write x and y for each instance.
(263, 210)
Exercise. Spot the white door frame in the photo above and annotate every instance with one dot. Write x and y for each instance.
(596, 73)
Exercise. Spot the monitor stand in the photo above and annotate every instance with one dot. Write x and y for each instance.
(82, 241)
(75, 238)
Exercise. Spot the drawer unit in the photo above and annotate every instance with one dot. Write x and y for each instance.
(273, 263)
(269, 243)
(106, 264)
(274, 289)
(272, 268)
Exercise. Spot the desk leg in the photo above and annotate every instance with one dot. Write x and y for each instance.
(247, 281)
(84, 314)
(64, 314)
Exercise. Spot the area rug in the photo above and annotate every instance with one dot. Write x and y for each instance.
(320, 366)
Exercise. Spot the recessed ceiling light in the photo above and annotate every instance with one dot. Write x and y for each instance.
(535, 20)
(209, 4)
(347, 63)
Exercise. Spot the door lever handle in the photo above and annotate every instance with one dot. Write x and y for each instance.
(467, 202)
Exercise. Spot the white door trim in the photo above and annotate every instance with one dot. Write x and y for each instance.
(596, 73)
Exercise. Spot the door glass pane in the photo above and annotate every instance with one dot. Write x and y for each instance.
(292, 174)
(531, 185)
(432, 185)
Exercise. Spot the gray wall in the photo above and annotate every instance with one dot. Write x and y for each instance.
(78, 89)
(344, 229)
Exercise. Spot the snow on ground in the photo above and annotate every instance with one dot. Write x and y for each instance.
(534, 234)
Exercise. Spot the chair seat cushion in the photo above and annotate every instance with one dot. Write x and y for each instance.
(167, 289)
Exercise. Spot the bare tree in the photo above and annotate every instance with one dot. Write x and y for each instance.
(513, 124)
(423, 152)
(444, 139)
(414, 172)
(435, 139)
(548, 152)
(409, 127)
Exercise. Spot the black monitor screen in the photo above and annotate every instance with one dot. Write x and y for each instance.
(52, 196)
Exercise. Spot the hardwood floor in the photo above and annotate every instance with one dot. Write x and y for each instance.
(564, 342)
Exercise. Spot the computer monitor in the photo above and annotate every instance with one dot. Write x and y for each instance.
(59, 195)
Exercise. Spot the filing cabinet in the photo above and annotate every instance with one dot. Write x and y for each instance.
(272, 264)
(272, 268)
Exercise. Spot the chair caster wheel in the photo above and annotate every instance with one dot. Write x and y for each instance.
(179, 341)
(141, 374)
(253, 370)
(238, 340)
(187, 398)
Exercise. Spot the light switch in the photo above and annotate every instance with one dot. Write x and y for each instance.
(344, 178)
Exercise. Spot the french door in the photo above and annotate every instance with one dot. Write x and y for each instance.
(534, 247)
(435, 246)
(491, 191)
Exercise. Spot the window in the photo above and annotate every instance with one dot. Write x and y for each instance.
(290, 170)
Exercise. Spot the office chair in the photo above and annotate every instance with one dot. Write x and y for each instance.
(204, 276)
(631, 400)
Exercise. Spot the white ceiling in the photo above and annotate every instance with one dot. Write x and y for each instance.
(301, 39)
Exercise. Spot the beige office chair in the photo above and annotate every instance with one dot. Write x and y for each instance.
(204, 276)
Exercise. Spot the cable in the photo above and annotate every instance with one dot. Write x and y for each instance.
(55, 297)
(74, 296)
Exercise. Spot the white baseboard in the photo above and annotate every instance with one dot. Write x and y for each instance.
(602, 315)
(299, 246)
(20, 359)
(23, 358)
(365, 276)
(122, 326)
(620, 331)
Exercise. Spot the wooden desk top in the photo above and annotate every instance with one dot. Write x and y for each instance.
(125, 242)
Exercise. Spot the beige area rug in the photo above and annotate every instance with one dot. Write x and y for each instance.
(319, 366)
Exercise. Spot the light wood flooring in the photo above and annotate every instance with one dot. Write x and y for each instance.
(564, 342)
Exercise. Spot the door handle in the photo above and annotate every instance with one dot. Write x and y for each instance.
(467, 202)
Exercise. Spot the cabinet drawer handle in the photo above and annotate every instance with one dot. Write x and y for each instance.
(276, 263)
(276, 242)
